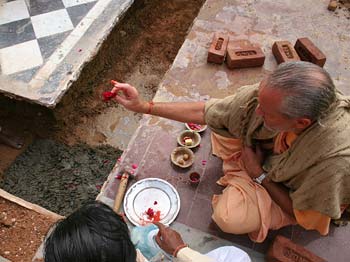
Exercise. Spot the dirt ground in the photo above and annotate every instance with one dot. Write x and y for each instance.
(21, 231)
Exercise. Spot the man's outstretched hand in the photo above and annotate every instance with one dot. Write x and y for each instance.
(168, 239)
(128, 96)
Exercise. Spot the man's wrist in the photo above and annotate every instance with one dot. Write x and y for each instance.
(260, 178)
(144, 107)
(178, 248)
(258, 172)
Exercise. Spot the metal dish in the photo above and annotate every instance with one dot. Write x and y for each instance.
(203, 127)
(177, 157)
(152, 193)
(195, 136)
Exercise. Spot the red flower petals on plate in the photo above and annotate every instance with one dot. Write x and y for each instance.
(156, 217)
(150, 213)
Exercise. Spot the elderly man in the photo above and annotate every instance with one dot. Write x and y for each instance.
(285, 148)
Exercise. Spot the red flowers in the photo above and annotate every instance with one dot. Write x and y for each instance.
(108, 95)
(150, 213)
(153, 216)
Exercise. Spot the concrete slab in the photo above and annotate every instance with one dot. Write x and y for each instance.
(44, 47)
(190, 78)
(2, 259)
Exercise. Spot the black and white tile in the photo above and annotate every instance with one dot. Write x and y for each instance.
(23, 56)
(31, 30)
(16, 32)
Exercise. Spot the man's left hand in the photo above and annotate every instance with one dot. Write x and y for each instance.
(252, 161)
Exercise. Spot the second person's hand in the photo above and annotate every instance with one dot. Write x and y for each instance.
(168, 239)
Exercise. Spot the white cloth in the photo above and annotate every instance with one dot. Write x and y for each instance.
(229, 254)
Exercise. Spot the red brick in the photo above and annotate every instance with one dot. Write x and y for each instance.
(284, 52)
(217, 49)
(244, 57)
(307, 51)
(284, 250)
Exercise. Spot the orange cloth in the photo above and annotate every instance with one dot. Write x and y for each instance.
(244, 206)
(308, 219)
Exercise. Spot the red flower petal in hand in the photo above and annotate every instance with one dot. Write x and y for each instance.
(108, 95)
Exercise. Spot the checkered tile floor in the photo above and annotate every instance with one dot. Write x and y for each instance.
(31, 30)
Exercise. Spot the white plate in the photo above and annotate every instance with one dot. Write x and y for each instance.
(152, 193)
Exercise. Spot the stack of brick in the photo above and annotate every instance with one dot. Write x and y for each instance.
(242, 53)
(237, 56)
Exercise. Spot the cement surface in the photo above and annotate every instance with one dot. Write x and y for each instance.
(191, 78)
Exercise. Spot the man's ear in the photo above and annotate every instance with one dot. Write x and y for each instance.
(302, 123)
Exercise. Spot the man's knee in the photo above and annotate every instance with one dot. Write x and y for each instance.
(236, 212)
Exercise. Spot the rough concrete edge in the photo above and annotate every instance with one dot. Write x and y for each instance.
(2, 259)
(101, 197)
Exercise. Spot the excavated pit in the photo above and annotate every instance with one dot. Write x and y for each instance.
(71, 149)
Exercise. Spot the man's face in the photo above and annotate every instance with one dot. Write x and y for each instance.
(268, 108)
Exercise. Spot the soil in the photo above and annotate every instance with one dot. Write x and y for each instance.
(343, 9)
(21, 231)
(58, 177)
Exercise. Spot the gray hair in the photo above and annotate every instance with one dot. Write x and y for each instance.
(309, 89)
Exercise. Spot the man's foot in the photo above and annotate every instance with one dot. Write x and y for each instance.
(340, 222)
(343, 220)
(11, 141)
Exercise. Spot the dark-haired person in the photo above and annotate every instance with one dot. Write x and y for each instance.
(285, 145)
(95, 233)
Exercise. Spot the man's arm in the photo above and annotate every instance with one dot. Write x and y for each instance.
(280, 195)
(186, 112)
(252, 162)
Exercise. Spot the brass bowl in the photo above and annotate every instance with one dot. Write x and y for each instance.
(182, 157)
(194, 136)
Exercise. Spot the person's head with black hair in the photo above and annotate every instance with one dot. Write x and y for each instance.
(93, 233)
